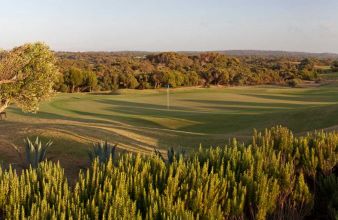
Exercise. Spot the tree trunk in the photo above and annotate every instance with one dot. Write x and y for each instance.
(4, 105)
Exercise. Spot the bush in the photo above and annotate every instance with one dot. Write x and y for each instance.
(328, 195)
(273, 177)
(103, 151)
(35, 151)
(294, 82)
(84, 72)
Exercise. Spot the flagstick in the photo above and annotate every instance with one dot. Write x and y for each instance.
(168, 104)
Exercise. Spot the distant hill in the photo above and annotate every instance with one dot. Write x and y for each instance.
(278, 53)
(259, 53)
(270, 53)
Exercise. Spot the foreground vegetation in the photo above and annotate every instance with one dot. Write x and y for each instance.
(276, 176)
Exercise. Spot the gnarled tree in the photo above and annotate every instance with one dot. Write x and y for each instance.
(27, 75)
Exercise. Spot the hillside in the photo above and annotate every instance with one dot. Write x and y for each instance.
(239, 53)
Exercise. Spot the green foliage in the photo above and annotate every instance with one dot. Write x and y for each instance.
(90, 80)
(328, 195)
(174, 155)
(33, 70)
(294, 82)
(334, 66)
(41, 193)
(174, 69)
(307, 69)
(273, 177)
(35, 151)
(128, 81)
(75, 78)
(103, 151)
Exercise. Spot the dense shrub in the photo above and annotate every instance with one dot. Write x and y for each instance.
(276, 176)
(41, 193)
(293, 82)
(105, 71)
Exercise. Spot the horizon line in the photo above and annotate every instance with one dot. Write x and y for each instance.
(194, 51)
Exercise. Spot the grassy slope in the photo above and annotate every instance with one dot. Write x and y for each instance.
(139, 120)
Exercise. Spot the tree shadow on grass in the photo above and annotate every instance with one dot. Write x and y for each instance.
(236, 117)
(141, 105)
(219, 119)
(239, 116)
(100, 128)
(165, 137)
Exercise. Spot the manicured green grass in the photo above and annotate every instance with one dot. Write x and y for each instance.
(139, 120)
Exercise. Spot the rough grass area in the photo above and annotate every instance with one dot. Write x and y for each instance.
(139, 120)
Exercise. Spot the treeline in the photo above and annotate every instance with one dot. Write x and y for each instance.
(334, 66)
(276, 176)
(106, 71)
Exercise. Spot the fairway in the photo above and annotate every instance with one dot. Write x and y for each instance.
(139, 121)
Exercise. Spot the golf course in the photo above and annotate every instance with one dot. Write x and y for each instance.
(141, 120)
(169, 110)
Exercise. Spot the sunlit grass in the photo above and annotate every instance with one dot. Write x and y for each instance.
(140, 120)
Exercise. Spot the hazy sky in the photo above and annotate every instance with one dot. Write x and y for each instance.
(157, 25)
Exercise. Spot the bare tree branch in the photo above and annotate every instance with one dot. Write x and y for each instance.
(5, 81)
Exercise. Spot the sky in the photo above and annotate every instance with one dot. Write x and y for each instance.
(171, 25)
